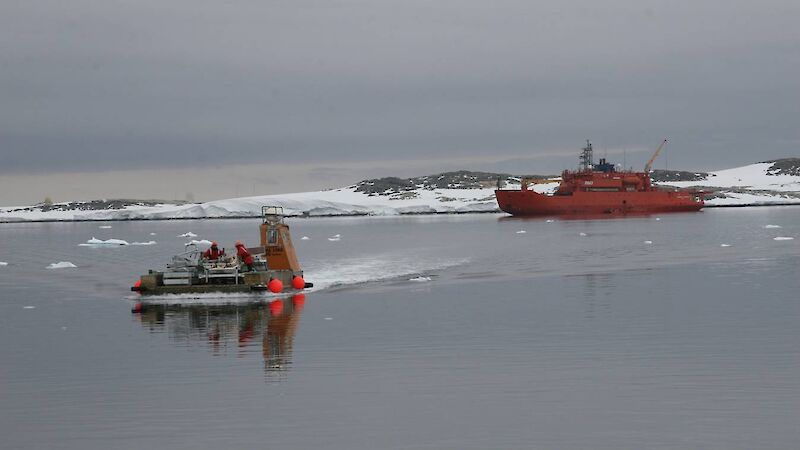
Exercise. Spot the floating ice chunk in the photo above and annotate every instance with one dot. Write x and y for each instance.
(188, 234)
(329, 318)
(658, 218)
(94, 242)
(305, 238)
(335, 237)
(724, 245)
(648, 242)
(153, 234)
(420, 279)
(521, 232)
(549, 220)
(144, 243)
(28, 307)
(772, 226)
(582, 234)
(196, 242)
(782, 238)
(62, 265)
(105, 227)
(3, 263)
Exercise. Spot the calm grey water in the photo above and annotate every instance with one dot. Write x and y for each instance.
(543, 339)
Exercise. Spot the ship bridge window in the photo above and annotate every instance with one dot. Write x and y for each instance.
(272, 236)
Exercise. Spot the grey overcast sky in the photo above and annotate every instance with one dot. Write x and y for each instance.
(211, 99)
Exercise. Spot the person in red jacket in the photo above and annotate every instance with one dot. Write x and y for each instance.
(213, 253)
(245, 256)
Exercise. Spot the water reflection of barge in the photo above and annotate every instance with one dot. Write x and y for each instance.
(225, 328)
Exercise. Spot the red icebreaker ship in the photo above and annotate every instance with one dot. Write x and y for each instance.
(599, 189)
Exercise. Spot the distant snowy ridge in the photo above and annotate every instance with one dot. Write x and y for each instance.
(771, 182)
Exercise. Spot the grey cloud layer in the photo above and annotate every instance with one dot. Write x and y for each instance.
(201, 83)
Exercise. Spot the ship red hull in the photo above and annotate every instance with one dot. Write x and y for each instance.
(530, 203)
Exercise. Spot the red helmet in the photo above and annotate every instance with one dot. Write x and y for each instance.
(214, 243)
(239, 244)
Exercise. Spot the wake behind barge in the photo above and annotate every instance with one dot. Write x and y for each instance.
(274, 266)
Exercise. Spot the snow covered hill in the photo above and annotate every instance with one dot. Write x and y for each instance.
(772, 182)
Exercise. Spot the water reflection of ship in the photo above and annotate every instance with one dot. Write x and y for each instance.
(233, 327)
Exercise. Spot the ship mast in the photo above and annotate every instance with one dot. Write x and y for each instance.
(586, 158)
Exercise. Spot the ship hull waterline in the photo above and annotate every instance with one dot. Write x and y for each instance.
(530, 203)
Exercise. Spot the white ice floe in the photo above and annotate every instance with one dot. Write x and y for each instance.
(94, 242)
(105, 227)
(62, 265)
(648, 242)
(658, 218)
(521, 232)
(153, 234)
(724, 245)
(772, 226)
(782, 238)
(335, 237)
(329, 318)
(549, 220)
(144, 243)
(3, 263)
(188, 234)
(305, 238)
(198, 242)
(29, 307)
(582, 234)
(420, 279)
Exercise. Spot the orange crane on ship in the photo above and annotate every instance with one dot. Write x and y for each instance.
(649, 164)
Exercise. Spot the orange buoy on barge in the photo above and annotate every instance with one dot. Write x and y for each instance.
(599, 189)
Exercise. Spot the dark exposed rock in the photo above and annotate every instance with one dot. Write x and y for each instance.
(94, 205)
(388, 185)
(462, 179)
(660, 176)
(785, 166)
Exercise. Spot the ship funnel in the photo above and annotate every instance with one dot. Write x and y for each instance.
(277, 241)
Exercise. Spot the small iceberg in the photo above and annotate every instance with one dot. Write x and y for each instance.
(105, 227)
(94, 242)
(335, 237)
(521, 232)
(772, 226)
(305, 238)
(549, 220)
(3, 263)
(62, 265)
(782, 238)
(29, 307)
(658, 218)
(188, 234)
(144, 243)
(648, 242)
(582, 234)
(196, 242)
(152, 234)
(420, 279)
(724, 245)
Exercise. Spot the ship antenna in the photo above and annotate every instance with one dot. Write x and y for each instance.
(586, 159)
